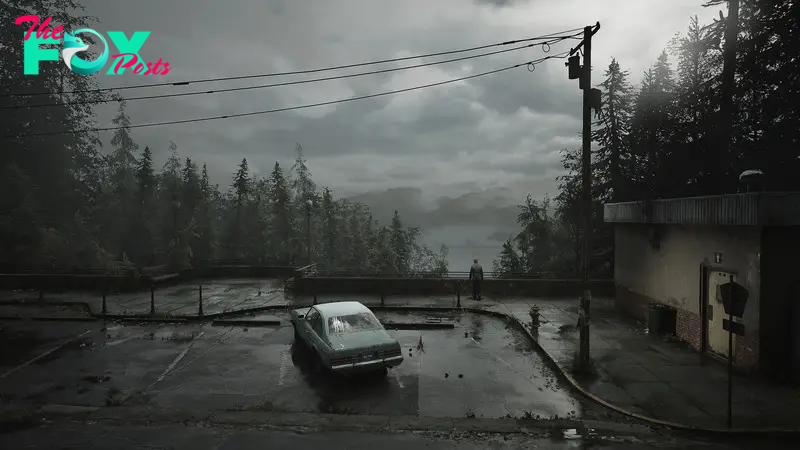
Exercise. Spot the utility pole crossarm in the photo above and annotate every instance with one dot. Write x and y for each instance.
(572, 51)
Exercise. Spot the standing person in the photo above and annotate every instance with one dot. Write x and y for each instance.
(476, 275)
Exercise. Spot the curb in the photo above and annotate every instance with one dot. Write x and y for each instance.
(566, 376)
(282, 420)
(570, 379)
(246, 323)
(51, 319)
(144, 319)
(417, 326)
(36, 302)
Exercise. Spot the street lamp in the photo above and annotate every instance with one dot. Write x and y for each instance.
(309, 206)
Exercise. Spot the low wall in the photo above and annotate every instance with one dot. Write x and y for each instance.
(50, 282)
(444, 286)
(239, 271)
(69, 282)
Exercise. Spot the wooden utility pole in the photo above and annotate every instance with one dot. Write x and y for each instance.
(591, 98)
(586, 198)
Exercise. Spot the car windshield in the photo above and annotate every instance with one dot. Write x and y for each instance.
(353, 322)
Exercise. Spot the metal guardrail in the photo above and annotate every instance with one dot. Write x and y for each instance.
(461, 275)
(305, 271)
(310, 270)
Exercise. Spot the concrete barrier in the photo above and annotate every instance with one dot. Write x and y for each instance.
(241, 271)
(444, 286)
(304, 282)
(50, 282)
(97, 282)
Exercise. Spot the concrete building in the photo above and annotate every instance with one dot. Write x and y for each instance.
(678, 251)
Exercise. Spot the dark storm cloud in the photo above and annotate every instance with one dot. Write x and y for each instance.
(496, 134)
(500, 3)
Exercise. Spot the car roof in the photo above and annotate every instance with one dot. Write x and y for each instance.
(334, 309)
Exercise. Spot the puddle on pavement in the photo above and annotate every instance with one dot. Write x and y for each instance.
(18, 345)
(183, 291)
(393, 394)
(476, 327)
(85, 343)
(241, 286)
(96, 378)
(120, 334)
(173, 336)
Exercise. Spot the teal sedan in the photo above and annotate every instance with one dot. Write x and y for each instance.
(345, 337)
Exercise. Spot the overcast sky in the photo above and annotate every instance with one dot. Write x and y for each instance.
(500, 133)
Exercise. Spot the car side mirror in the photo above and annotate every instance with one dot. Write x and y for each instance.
(300, 316)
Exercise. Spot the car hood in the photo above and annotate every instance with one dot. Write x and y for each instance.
(360, 339)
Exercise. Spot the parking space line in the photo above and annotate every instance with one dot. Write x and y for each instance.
(59, 347)
(284, 365)
(210, 347)
(507, 364)
(397, 379)
(120, 341)
(177, 359)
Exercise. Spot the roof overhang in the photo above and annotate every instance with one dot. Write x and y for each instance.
(751, 209)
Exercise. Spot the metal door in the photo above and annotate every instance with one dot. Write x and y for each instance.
(717, 336)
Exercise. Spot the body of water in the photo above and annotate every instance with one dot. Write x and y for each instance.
(465, 242)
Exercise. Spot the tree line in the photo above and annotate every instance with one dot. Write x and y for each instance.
(665, 137)
(67, 204)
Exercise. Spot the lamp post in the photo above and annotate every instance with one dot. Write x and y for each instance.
(309, 206)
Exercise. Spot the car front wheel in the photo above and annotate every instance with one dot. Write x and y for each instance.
(297, 335)
(319, 366)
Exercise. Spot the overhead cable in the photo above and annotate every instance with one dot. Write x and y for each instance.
(295, 108)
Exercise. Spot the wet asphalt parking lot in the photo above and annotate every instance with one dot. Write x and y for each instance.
(481, 368)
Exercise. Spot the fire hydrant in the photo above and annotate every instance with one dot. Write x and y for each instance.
(534, 313)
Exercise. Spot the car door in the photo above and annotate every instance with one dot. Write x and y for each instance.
(316, 332)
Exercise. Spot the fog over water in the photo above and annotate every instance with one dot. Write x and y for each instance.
(465, 242)
(470, 225)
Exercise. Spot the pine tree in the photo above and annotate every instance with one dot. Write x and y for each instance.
(145, 204)
(568, 209)
(191, 197)
(281, 215)
(359, 248)
(441, 265)
(169, 198)
(64, 172)
(191, 193)
(303, 186)
(398, 245)
(123, 163)
(508, 263)
(304, 191)
(698, 73)
(206, 246)
(612, 131)
(328, 232)
(237, 231)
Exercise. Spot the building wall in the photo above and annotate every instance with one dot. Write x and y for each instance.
(779, 275)
(663, 263)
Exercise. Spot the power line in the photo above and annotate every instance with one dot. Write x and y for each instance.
(545, 45)
(309, 71)
(294, 108)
